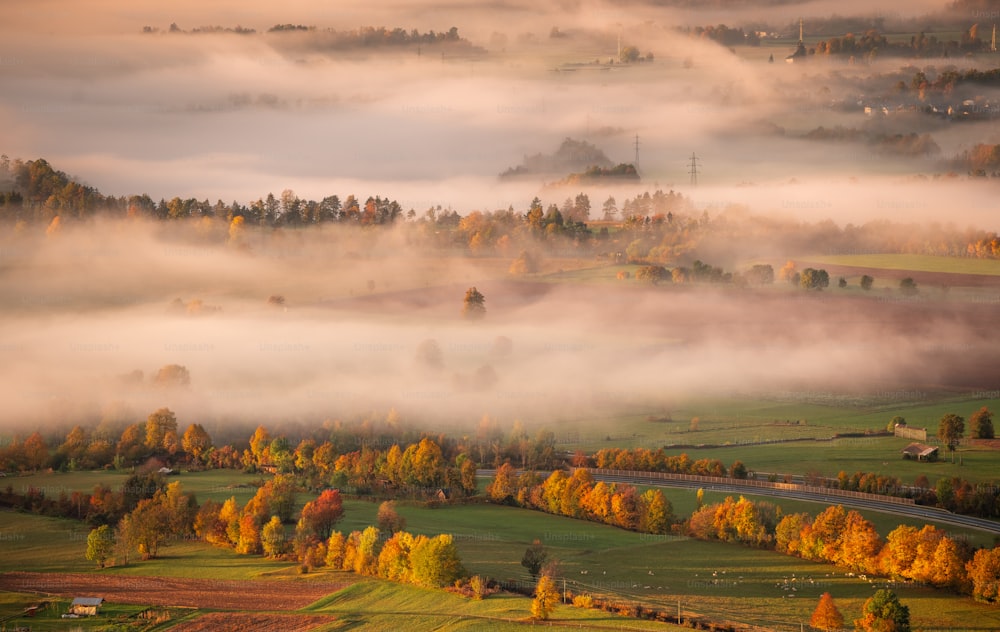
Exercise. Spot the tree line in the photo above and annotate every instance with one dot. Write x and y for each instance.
(927, 555)
(656, 228)
(578, 496)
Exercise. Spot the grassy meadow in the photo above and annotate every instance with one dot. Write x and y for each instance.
(721, 581)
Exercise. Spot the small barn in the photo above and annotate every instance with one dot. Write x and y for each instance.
(920, 452)
(86, 606)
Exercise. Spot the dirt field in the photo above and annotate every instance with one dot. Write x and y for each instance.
(253, 622)
(169, 591)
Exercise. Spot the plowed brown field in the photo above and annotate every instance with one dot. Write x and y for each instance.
(253, 622)
(260, 595)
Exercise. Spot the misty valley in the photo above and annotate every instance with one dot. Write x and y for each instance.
(608, 314)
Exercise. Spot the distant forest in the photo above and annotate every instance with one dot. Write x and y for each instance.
(651, 228)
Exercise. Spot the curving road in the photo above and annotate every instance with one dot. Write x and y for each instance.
(931, 514)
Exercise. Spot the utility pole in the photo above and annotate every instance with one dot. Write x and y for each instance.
(636, 151)
(693, 169)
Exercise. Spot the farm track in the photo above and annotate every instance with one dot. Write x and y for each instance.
(263, 595)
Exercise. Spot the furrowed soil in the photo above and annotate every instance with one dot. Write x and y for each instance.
(169, 591)
(253, 622)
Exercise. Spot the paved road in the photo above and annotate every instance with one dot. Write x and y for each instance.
(930, 514)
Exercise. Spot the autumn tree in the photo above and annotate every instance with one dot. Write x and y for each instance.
(132, 445)
(826, 616)
(394, 558)
(161, 430)
(951, 428)
(984, 573)
(335, 550)
(788, 533)
(319, 516)
(260, 443)
(196, 442)
(208, 524)
(534, 558)
(546, 598)
(366, 551)
(503, 486)
(36, 452)
(172, 375)
(474, 304)
(146, 527)
(860, 544)
(388, 519)
(883, 612)
(524, 264)
(100, 545)
(249, 535)
(980, 424)
(788, 273)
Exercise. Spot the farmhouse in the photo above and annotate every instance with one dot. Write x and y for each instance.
(86, 606)
(920, 452)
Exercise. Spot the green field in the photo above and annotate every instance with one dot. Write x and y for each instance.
(657, 570)
(380, 605)
(740, 427)
(914, 263)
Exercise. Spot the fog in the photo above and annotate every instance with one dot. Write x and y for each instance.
(90, 305)
(233, 117)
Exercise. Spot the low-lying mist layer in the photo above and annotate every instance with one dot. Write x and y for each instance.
(87, 309)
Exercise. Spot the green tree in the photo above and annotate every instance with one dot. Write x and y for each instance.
(146, 527)
(866, 282)
(474, 305)
(760, 274)
(826, 616)
(895, 421)
(883, 612)
(435, 562)
(546, 598)
(738, 470)
(951, 428)
(534, 558)
(657, 512)
(100, 545)
(908, 287)
(272, 538)
(812, 279)
(980, 424)
(629, 55)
